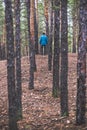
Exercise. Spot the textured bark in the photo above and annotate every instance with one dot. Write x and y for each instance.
(32, 33)
(31, 58)
(2, 51)
(55, 91)
(46, 21)
(50, 37)
(46, 15)
(18, 60)
(10, 66)
(81, 64)
(64, 60)
(36, 27)
(75, 26)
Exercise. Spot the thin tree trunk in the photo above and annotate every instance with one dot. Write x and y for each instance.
(47, 24)
(31, 78)
(75, 25)
(36, 28)
(32, 33)
(64, 60)
(55, 91)
(50, 37)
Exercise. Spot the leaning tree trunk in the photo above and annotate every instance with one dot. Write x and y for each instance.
(64, 60)
(18, 60)
(55, 91)
(81, 64)
(10, 65)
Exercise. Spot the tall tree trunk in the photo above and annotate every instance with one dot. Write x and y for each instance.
(47, 24)
(18, 60)
(10, 66)
(55, 92)
(75, 25)
(32, 32)
(64, 60)
(31, 54)
(81, 64)
(50, 36)
(36, 26)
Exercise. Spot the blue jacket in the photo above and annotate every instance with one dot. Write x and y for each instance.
(43, 40)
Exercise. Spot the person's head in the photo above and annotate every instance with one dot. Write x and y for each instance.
(43, 33)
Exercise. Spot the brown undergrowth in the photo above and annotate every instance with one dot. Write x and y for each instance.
(40, 110)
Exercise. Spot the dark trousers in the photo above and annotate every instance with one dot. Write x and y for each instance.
(43, 50)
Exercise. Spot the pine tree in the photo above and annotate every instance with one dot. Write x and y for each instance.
(55, 91)
(81, 64)
(36, 27)
(64, 60)
(50, 36)
(18, 60)
(10, 66)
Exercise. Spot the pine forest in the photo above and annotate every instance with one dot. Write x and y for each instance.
(43, 46)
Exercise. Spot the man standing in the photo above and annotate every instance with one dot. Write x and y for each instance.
(43, 42)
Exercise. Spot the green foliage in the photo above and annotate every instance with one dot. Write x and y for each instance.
(41, 24)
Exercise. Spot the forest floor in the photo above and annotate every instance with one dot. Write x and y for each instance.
(40, 110)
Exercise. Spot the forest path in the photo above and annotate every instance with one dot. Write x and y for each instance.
(40, 110)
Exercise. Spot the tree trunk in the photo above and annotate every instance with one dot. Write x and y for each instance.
(36, 27)
(18, 60)
(64, 60)
(10, 66)
(55, 92)
(31, 57)
(75, 25)
(46, 15)
(50, 37)
(32, 33)
(46, 21)
(81, 64)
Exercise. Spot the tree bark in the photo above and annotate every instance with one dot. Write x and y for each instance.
(31, 54)
(36, 27)
(64, 60)
(50, 37)
(81, 64)
(10, 66)
(47, 24)
(55, 91)
(18, 60)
